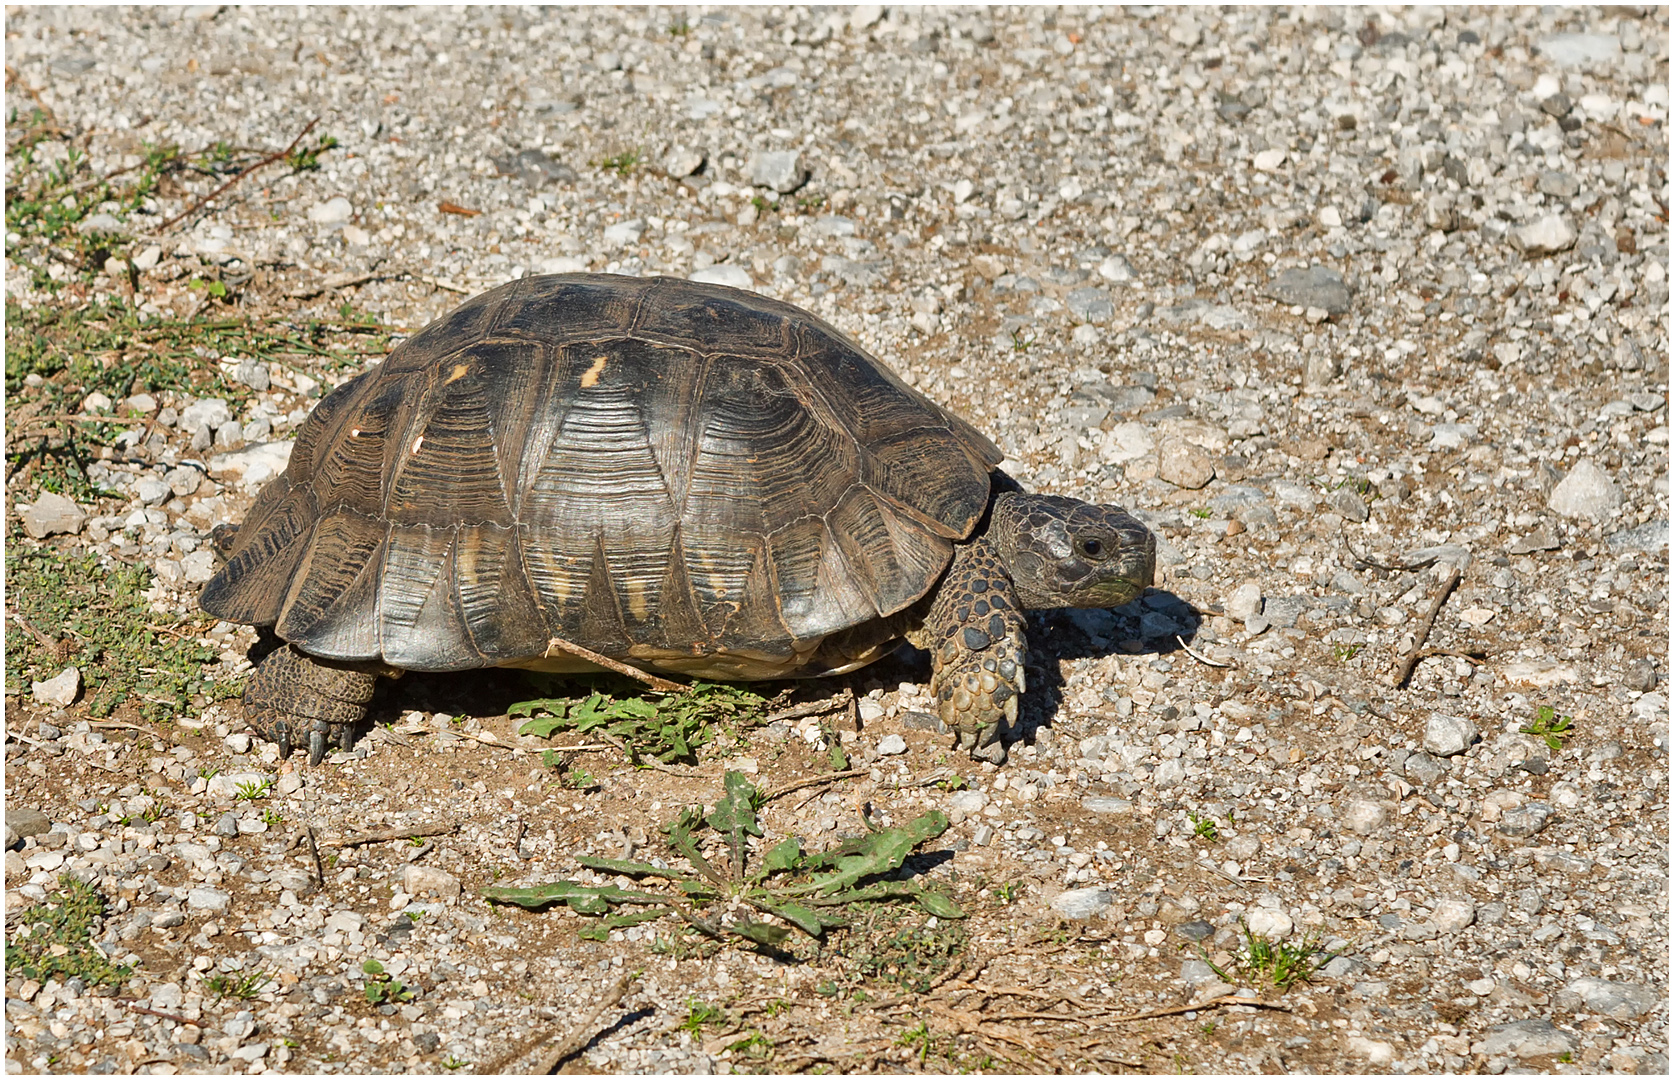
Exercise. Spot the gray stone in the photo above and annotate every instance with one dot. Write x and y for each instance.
(892, 744)
(1641, 675)
(203, 898)
(1581, 50)
(1651, 538)
(206, 412)
(1525, 1039)
(1446, 736)
(681, 162)
(1342, 967)
(735, 277)
(151, 491)
(1621, 1000)
(1586, 491)
(1285, 610)
(227, 825)
(254, 465)
(1083, 903)
(1364, 816)
(1525, 820)
(52, 513)
(345, 922)
(252, 373)
(1090, 305)
(1320, 370)
(27, 821)
(1452, 916)
(780, 170)
(1196, 930)
(183, 480)
(62, 689)
(1422, 769)
(1315, 287)
(1244, 602)
(1196, 972)
(1184, 464)
(1116, 269)
(1541, 539)
(1347, 502)
(334, 211)
(536, 168)
(1558, 184)
(418, 880)
(1106, 804)
(1545, 236)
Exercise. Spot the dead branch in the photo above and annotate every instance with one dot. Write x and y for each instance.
(246, 171)
(1404, 672)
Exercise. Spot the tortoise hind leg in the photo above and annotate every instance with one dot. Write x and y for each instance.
(295, 697)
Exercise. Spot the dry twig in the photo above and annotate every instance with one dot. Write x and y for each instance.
(1197, 655)
(1404, 672)
(655, 682)
(246, 171)
(828, 778)
(380, 835)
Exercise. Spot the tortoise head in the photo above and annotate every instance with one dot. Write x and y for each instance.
(1063, 552)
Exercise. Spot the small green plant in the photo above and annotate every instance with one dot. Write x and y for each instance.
(1203, 827)
(1278, 964)
(272, 818)
(1200, 512)
(700, 1014)
(800, 888)
(753, 1045)
(54, 939)
(621, 164)
(1345, 653)
(154, 813)
(251, 790)
(764, 205)
(669, 729)
(307, 156)
(1021, 342)
(1008, 892)
(679, 27)
(953, 783)
(240, 986)
(208, 772)
(917, 1038)
(1208, 1029)
(452, 1064)
(383, 988)
(1551, 727)
(810, 202)
(216, 289)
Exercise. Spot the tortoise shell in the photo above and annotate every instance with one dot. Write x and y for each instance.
(678, 475)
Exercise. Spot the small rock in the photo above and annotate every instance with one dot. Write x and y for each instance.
(735, 277)
(1183, 464)
(1090, 305)
(1365, 816)
(227, 825)
(1541, 539)
(1558, 184)
(1547, 236)
(563, 264)
(1269, 160)
(183, 480)
(1106, 804)
(334, 211)
(682, 162)
(624, 233)
(1586, 491)
(52, 513)
(238, 742)
(892, 744)
(1342, 967)
(150, 490)
(203, 898)
(1317, 287)
(1525, 820)
(1270, 923)
(61, 689)
(428, 881)
(1581, 50)
(253, 373)
(1651, 538)
(253, 466)
(1195, 972)
(1347, 502)
(1446, 736)
(1525, 1039)
(1621, 1000)
(1375, 1051)
(780, 170)
(1083, 903)
(1641, 675)
(1452, 916)
(1115, 269)
(345, 922)
(206, 412)
(1422, 769)
(27, 821)
(1244, 602)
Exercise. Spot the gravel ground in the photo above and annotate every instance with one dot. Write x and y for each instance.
(1341, 301)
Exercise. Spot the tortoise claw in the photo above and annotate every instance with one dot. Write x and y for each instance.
(282, 736)
(316, 746)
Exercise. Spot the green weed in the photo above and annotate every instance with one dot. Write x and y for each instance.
(621, 164)
(669, 729)
(251, 790)
(1551, 727)
(679, 27)
(701, 1014)
(798, 887)
(1345, 653)
(101, 621)
(1021, 343)
(1278, 964)
(1203, 827)
(307, 156)
(55, 939)
(383, 988)
(243, 987)
(1200, 512)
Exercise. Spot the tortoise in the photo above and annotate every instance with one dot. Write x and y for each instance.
(582, 469)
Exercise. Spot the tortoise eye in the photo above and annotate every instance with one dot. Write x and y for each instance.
(1091, 547)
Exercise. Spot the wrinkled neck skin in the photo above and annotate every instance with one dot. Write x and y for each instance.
(1063, 552)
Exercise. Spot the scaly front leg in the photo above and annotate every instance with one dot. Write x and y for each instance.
(974, 634)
